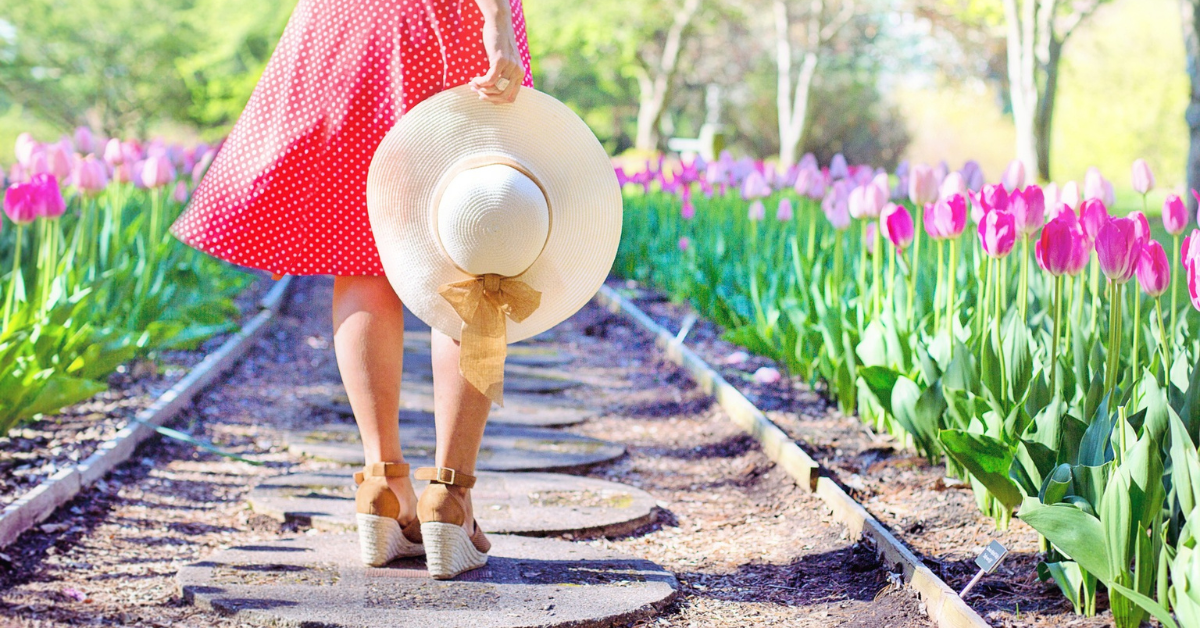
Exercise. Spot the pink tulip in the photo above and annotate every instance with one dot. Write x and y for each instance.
(1141, 225)
(687, 211)
(757, 211)
(1093, 216)
(954, 183)
(836, 207)
(998, 233)
(767, 375)
(784, 213)
(867, 201)
(48, 196)
(21, 204)
(59, 160)
(1174, 214)
(18, 174)
(1062, 248)
(1070, 195)
(1143, 179)
(1153, 269)
(1028, 207)
(922, 185)
(1187, 252)
(804, 180)
(90, 175)
(158, 171)
(684, 243)
(85, 141)
(897, 225)
(946, 218)
(1193, 285)
(1014, 175)
(1095, 186)
(181, 192)
(1118, 248)
(755, 186)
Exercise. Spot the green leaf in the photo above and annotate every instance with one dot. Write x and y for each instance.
(1056, 486)
(1078, 534)
(61, 391)
(1069, 578)
(1185, 465)
(1148, 604)
(988, 460)
(1018, 357)
(880, 380)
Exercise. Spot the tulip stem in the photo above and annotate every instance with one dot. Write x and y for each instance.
(1024, 282)
(912, 289)
(996, 335)
(12, 282)
(1137, 329)
(951, 288)
(812, 234)
(1175, 278)
(937, 286)
(984, 301)
(837, 261)
(1058, 290)
(862, 261)
(877, 267)
(1162, 340)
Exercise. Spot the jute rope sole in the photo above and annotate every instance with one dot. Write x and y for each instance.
(449, 550)
(382, 540)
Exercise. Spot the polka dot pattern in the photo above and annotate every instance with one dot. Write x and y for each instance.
(286, 192)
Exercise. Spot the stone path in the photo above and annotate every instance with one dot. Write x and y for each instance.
(318, 580)
(534, 504)
(504, 448)
(519, 409)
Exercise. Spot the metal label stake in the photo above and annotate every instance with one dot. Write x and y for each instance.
(988, 560)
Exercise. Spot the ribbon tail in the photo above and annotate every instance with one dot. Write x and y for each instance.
(482, 351)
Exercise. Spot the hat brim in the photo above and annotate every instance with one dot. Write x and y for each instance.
(546, 139)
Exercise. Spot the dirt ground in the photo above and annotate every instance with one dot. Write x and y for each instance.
(933, 515)
(748, 546)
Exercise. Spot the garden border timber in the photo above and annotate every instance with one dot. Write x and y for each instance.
(41, 501)
(943, 605)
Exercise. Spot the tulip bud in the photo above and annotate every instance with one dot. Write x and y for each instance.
(1028, 208)
(1153, 269)
(946, 218)
(90, 175)
(1118, 248)
(755, 186)
(897, 225)
(20, 203)
(157, 171)
(1062, 248)
(1092, 215)
(684, 243)
(1141, 225)
(1174, 214)
(1070, 195)
(953, 184)
(1014, 175)
(784, 212)
(181, 192)
(757, 211)
(687, 210)
(838, 169)
(922, 185)
(973, 175)
(1143, 179)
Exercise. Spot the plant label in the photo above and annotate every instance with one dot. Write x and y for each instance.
(991, 556)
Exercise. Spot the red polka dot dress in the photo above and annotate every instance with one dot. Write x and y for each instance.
(286, 192)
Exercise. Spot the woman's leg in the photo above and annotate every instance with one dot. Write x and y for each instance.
(368, 338)
(460, 411)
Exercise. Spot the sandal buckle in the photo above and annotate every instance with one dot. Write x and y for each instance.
(442, 473)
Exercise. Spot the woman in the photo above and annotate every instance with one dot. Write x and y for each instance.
(286, 194)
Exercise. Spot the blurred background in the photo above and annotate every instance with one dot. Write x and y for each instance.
(1061, 84)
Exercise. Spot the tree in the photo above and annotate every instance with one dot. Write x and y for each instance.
(1191, 42)
(818, 29)
(656, 75)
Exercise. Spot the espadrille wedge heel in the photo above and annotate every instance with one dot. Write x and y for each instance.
(449, 549)
(381, 538)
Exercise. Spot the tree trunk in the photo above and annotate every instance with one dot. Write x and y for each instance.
(792, 104)
(657, 81)
(1022, 84)
(1043, 123)
(1191, 40)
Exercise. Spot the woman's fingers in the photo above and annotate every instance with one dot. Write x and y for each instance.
(501, 82)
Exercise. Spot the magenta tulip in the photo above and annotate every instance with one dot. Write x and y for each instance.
(946, 218)
(1187, 252)
(784, 213)
(1153, 269)
(998, 233)
(1028, 208)
(1174, 214)
(687, 210)
(922, 185)
(1118, 248)
(684, 243)
(1141, 225)
(1062, 248)
(1092, 215)
(48, 196)
(21, 204)
(1143, 179)
(1014, 175)
(897, 225)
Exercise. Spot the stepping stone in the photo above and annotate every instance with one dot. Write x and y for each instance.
(520, 353)
(317, 580)
(532, 504)
(505, 447)
(418, 367)
(533, 411)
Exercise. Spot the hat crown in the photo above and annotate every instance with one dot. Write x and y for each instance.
(493, 219)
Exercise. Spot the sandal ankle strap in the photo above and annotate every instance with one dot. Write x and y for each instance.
(382, 470)
(443, 475)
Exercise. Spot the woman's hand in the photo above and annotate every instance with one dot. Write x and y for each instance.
(503, 79)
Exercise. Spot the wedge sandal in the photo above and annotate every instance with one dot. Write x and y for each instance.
(381, 538)
(449, 550)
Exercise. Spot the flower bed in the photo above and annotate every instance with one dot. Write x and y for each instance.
(93, 281)
(948, 341)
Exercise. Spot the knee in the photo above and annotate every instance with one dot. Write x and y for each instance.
(364, 292)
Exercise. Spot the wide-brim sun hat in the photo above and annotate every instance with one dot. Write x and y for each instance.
(473, 202)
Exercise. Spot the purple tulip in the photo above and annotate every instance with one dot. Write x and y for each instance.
(1174, 214)
(998, 233)
(1153, 269)
(755, 186)
(784, 212)
(838, 169)
(1118, 248)
(1141, 225)
(973, 175)
(687, 210)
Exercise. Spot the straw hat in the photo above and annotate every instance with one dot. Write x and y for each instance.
(491, 215)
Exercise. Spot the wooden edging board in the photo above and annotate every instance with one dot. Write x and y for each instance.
(944, 606)
(41, 501)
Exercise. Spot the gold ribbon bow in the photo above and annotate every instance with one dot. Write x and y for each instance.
(483, 302)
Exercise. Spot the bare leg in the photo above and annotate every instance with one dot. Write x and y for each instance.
(368, 338)
(460, 412)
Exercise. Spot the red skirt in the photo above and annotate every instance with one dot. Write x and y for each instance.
(287, 192)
